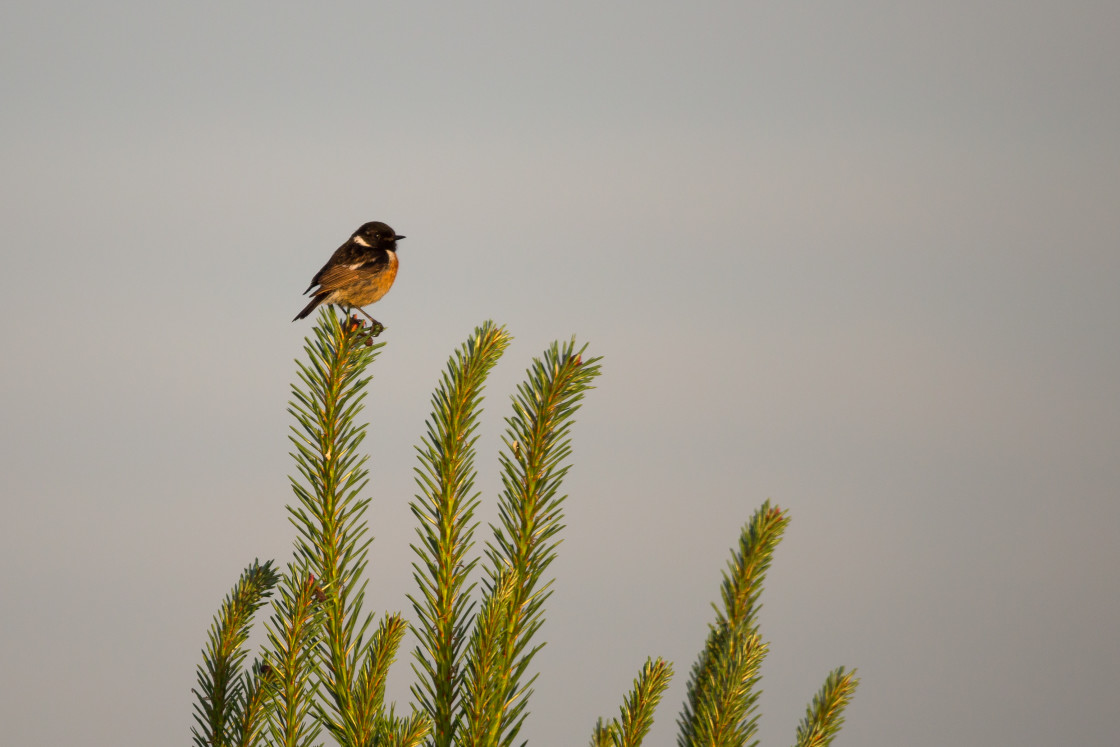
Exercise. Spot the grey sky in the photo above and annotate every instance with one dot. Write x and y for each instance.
(861, 259)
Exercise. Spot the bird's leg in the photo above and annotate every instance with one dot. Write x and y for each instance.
(367, 316)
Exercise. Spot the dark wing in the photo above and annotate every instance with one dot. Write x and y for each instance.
(349, 255)
(341, 273)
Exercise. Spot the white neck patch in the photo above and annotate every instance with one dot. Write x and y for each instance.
(360, 241)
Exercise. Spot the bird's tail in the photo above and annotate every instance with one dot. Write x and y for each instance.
(315, 301)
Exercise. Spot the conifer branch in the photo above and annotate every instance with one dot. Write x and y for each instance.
(380, 655)
(483, 699)
(255, 706)
(288, 668)
(332, 541)
(402, 732)
(722, 695)
(445, 508)
(323, 667)
(825, 715)
(221, 699)
(604, 734)
(530, 510)
(636, 714)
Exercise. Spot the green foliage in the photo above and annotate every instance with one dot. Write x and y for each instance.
(293, 630)
(636, 714)
(533, 463)
(824, 716)
(446, 509)
(324, 663)
(332, 542)
(473, 668)
(228, 705)
(722, 696)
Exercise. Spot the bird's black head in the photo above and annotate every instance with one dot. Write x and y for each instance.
(377, 234)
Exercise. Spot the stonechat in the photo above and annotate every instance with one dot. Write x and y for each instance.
(359, 272)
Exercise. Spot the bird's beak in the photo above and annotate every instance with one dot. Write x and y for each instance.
(398, 238)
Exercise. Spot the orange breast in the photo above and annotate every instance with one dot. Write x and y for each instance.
(386, 277)
(372, 284)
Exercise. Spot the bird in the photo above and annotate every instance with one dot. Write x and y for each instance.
(359, 272)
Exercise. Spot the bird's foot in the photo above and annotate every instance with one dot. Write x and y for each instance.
(375, 329)
(353, 323)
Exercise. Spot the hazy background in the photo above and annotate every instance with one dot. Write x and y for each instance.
(860, 258)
